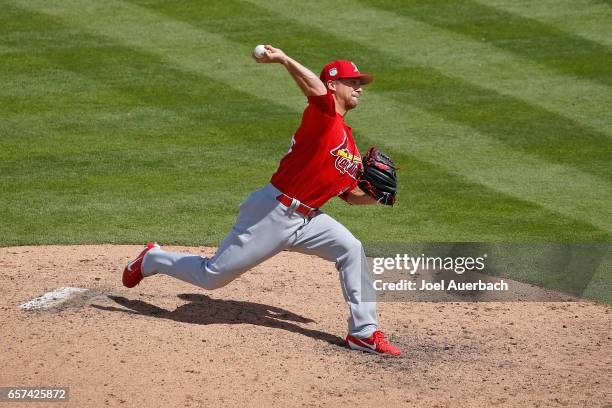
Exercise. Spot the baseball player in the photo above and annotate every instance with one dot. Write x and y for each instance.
(323, 162)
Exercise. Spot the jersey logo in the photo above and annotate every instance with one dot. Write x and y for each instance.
(345, 162)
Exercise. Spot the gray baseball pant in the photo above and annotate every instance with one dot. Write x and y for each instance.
(264, 228)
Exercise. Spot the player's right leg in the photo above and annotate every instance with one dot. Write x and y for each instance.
(262, 229)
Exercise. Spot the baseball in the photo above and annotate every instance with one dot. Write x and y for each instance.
(259, 51)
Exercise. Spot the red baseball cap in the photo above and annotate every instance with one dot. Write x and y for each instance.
(344, 69)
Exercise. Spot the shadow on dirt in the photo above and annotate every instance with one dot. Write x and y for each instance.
(203, 309)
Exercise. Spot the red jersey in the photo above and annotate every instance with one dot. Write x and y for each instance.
(323, 160)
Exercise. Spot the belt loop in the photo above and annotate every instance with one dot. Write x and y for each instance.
(293, 206)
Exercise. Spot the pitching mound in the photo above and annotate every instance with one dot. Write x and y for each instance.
(274, 337)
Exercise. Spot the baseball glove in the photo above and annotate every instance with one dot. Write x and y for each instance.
(378, 178)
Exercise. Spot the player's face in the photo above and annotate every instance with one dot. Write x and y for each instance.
(348, 90)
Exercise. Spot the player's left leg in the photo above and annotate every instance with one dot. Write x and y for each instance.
(325, 237)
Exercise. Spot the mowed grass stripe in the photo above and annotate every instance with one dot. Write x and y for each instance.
(95, 176)
(523, 127)
(591, 19)
(415, 43)
(529, 38)
(177, 41)
(481, 159)
(145, 167)
(461, 150)
(530, 129)
(142, 168)
(437, 206)
(430, 203)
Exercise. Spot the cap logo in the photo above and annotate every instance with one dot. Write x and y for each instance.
(354, 66)
(333, 72)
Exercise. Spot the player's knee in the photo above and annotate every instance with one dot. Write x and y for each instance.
(355, 246)
(216, 278)
(212, 285)
(214, 282)
(352, 248)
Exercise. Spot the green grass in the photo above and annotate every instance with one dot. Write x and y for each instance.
(127, 121)
(542, 43)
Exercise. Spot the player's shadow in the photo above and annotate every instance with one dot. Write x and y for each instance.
(203, 309)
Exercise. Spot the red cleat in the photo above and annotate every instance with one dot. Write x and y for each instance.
(132, 274)
(374, 344)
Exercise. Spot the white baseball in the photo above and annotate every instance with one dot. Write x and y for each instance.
(259, 51)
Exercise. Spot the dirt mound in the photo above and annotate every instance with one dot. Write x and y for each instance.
(275, 337)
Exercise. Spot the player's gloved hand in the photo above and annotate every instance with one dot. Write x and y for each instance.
(378, 177)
